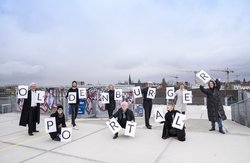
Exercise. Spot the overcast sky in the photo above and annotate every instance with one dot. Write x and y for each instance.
(53, 42)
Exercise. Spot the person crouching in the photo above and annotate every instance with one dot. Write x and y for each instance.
(60, 122)
(168, 130)
(123, 115)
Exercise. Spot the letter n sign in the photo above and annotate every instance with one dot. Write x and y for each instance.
(50, 124)
(113, 125)
(203, 76)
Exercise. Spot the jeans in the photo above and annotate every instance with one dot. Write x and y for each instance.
(219, 123)
(74, 109)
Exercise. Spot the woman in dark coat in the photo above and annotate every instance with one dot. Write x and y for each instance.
(60, 122)
(215, 109)
(168, 130)
(110, 107)
(30, 114)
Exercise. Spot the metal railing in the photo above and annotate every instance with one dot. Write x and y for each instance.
(241, 112)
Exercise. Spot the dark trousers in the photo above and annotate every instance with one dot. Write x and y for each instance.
(122, 124)
(169, 131)
(53, 135)
(32, 119)
(147, 110)
(110, 112)
(74, 111)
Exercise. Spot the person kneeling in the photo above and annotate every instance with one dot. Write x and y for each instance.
(168, 130)
(123, 115)
(60, 122)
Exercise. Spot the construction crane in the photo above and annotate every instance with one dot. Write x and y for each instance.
(176, 77)
(227, 71)
(193, 71)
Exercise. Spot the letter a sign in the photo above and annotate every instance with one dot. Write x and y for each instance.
(113, 125)
(203, 76)
(159, 115)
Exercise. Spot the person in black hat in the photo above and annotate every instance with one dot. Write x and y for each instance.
(60, 122)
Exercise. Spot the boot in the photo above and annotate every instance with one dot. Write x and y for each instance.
(221, 131)
(212, 129)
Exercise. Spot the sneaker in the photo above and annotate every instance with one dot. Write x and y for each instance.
(75, 128)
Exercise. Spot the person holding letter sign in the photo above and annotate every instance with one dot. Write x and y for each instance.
(180, 105)
(31, 111)
(168, 130)
(215, 109)
(147, 105)
(73, 106)
(123, 115)
(110, 107)
(60, 122)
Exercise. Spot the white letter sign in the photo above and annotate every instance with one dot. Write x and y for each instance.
(113, 125)
(66, 135)
(50, 124)
(22, 91)
(178, 121)
(118, 94)
(159, 115)
(187, 97)
(137, 92)
(82, 93)
(72, 97)
(105, 98)
(151, 93)
(203, 76)
(130, 129)
(169, 92)
(40, 95)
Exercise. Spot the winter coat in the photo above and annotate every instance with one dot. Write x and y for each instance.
(214, 103)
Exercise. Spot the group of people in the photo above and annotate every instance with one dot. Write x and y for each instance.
(30, 114)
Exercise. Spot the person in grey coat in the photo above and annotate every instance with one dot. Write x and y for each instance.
(215, 109)
(180, 106)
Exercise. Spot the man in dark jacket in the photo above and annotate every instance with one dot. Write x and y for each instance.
(147, 105)
(215, 109)
(168, 130)
(74, 107)
(123, 115)
(60, 122)
(31, 111)
(110, 107)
